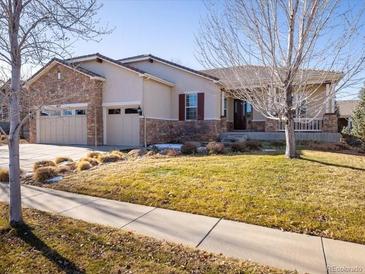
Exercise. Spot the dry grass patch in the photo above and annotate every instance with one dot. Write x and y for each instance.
(59, 160)
(55, 244)
(93, 154)
(42, 174)
(322, 193)
(109, 158)
(45, 163)
(92, 161)
(4, 175)
(83, 165)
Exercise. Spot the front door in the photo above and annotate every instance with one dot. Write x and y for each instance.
(239, 121)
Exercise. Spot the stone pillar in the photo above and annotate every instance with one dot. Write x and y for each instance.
(271, 125)
(330, 122)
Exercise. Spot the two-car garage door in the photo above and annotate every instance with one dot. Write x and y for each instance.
(62, 126)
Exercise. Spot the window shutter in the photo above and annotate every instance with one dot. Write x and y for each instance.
(181, 107)
(201, 106)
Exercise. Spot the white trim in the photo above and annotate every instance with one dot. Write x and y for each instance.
(148, 76)
(74, 105)
(180, 68)
(125, 103)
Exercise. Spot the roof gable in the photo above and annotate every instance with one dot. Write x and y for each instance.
(119, 64)
(56, 61)
(144, 57)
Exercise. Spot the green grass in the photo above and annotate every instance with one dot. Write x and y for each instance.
(322, 193)
(55, 244)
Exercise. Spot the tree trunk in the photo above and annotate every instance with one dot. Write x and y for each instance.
(15, 214)
(290, 149)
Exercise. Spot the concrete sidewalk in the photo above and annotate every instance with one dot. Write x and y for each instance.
(267, 246)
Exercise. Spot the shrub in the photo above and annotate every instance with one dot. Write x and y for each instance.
(93, 154)
(4, 175)
(63, 169)
(109, 158)
(92, 161)
(83, 165)
(118, 153)
(239, 147)
(44, 173)
(277, 144)
(215, 148)
(70, 165)
(253, 145)
(45, 163)
(169, 152)
(188, 148)
(246, 146)
(137, 152)
(59, 160)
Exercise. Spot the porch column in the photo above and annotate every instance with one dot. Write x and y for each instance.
(330, 98)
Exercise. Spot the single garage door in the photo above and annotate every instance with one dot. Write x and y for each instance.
(122, 126)
(62, 126)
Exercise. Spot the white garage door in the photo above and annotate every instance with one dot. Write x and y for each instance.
(122, 126)
(63, 126)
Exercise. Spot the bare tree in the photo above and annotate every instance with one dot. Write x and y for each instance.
(277, 53)
(32, 31)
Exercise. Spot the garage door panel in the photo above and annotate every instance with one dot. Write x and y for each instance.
(123, 129)
(63, 129)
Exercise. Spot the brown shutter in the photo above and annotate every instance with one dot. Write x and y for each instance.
(181, 107)
(200, 106)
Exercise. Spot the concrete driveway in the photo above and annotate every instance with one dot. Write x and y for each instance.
(31, 153)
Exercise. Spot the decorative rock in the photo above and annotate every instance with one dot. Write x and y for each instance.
(202, 150)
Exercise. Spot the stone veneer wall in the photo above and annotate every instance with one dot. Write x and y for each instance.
(73, 87)
(271, 125)
(165, 131)
(330, 122)
(257, 125)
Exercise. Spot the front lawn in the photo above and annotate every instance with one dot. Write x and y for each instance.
(321, 194)
(55, 244)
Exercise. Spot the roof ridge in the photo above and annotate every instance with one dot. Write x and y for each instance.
(171, 63)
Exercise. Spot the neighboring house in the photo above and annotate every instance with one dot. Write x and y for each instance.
(141, 100)
(345, 110)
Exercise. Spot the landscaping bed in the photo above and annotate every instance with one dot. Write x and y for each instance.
(322, 193)
(55, 244)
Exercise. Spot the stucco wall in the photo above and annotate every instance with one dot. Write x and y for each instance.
(121, 85)
(185, 82)
(157, 100)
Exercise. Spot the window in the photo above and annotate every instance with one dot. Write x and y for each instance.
(80, 111)
(131, 111)
(113, 111)
(191, 106)
(50, 112)
(67, 112)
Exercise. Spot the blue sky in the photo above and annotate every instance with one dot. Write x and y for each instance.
(165, 28)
